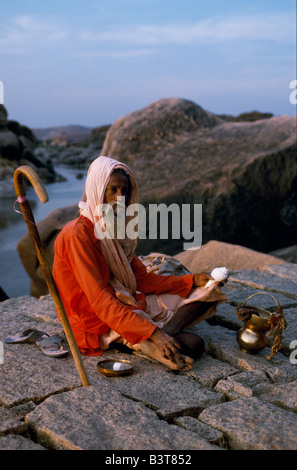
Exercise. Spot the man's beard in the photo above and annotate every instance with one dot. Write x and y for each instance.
(113, 223)
(116, 219)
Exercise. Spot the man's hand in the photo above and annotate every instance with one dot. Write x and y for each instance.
(167, 345)
(201, 279)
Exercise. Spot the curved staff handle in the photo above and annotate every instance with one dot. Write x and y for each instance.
(29, 218)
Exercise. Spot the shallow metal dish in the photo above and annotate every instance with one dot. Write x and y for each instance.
(112, 368)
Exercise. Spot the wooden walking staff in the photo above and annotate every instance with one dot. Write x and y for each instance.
(29, 218)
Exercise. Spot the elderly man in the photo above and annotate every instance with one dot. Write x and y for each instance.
(108, 295)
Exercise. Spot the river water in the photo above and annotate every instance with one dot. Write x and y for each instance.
(13, 277)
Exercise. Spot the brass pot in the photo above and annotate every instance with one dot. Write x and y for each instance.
(252, 336)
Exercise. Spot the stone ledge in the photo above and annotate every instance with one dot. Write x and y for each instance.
(16, 442)
(101, 418)
(251, 424)
(269, 281)
(229, 399)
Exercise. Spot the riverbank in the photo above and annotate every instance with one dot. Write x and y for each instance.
(229, 400)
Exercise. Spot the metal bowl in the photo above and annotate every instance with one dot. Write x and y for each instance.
(112, 368)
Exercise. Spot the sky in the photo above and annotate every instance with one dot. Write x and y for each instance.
(89, 62)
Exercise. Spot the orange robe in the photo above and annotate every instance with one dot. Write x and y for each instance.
(81, 275)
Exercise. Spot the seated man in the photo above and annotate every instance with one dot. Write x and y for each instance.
(108, 295)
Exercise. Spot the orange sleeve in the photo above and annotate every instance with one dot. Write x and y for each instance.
(92, 273)
(151, 283)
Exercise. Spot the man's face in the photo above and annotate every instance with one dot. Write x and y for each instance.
(118, 185)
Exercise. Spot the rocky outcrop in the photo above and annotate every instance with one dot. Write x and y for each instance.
(69, 133)
(243, 173)
(17, 147)
(229, 400)
(72, 145)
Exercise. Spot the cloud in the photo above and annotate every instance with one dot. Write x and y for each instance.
(117, 53)
(26, 30)
(271, 27)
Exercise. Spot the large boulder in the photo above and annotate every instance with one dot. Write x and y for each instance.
(15, 139)
(10, 146)
(48, 229)
(217, 254)
(243, 173)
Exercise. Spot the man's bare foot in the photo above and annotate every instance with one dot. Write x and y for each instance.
(181, 363)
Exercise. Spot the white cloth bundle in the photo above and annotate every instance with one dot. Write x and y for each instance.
(219, 275)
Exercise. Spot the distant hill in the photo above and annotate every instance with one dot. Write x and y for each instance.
(70, 133)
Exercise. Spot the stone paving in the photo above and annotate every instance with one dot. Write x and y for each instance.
(229, 400)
